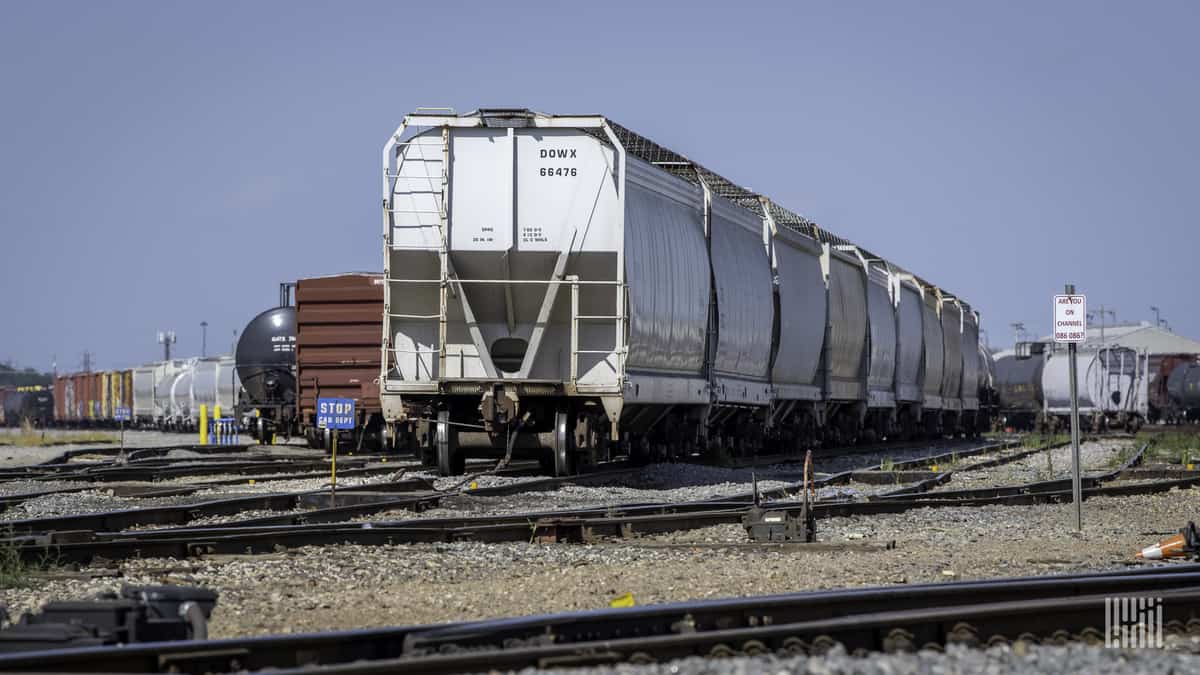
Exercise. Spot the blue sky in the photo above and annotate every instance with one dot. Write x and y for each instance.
(168, 163)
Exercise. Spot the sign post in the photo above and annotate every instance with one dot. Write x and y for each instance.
(122, 415)
(1070, 327)
(334, 414)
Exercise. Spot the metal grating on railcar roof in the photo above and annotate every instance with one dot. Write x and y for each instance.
(793, 222)
(676, 164)
(679, 165)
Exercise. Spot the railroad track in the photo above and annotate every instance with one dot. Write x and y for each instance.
(419, 494)
(254, 472)
(290, 467)
(81, 538)
(159, 490)
(325, 526)
(919, 489)
(1049, 610)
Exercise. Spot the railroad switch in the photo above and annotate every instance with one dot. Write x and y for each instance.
(136, 614)
(777, 525)
(780, 525)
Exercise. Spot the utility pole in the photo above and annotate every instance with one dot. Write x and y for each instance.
(87, 362)
(1100, 312)
(233, 347)
(203, 339)
(1018, 329)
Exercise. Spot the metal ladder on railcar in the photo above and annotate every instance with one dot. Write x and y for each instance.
(438, 191)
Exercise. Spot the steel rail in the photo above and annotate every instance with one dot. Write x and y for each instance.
(892, 618)
(147, 471)
(109, 521)
(1056, 620)
(160, 490)
(150, 450)
(921, 489)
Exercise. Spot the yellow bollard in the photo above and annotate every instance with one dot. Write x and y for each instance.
(203, 424)
(216, 420)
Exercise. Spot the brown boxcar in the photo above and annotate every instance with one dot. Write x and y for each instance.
(127, 389)
(120, 386)
(105, 396)
(70, 406)
(83, 396)
(339, 328)
(60, 398)
(96, 396)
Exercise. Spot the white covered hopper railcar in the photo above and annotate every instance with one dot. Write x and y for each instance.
(560, 287)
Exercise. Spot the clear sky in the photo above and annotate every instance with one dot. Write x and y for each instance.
(166, 163)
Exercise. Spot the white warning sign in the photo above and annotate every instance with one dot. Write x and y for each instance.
(1070, 318)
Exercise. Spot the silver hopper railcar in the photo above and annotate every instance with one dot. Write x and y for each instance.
(563, 288)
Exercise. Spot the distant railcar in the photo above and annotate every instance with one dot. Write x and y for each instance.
(339, 321)
(163, 395)
(1034, 388)
(210, 382)
(1183, 386)
(33, 405)
(266, 364)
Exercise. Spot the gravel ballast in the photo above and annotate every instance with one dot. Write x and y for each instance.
(12, 456)
(1075, 658)
(1094, 457)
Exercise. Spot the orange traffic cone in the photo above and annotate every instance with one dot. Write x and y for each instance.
(1175, 546)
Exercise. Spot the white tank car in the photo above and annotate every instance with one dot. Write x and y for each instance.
(152, 391)
(209, 381)
(1113, 386)
(563, 288)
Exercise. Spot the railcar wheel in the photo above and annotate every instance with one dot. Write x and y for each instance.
(564, 451)
(387, 439)
(450, 459)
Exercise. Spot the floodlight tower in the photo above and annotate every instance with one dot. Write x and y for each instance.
(166, 338)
